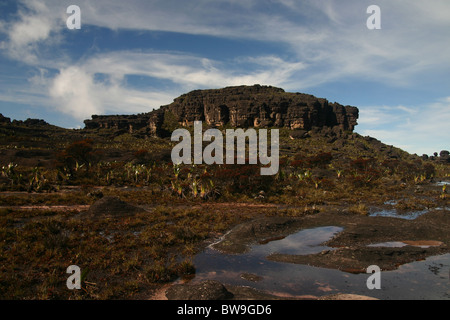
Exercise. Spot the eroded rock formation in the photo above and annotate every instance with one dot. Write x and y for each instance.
(241, 106)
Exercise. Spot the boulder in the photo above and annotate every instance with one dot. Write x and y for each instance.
(444, 156)
(299, 134)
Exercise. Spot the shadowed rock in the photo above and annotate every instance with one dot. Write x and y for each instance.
(299, 134)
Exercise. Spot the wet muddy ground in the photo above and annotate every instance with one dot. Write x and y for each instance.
(352, 250)
(327, 254)
(318, 255)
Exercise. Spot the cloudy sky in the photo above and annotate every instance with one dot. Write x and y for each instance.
(134, 56)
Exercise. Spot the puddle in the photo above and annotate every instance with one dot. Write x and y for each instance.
(443, 183)
(393, 213)
(272, 276)
(300, 243)
(400, 244)
(389, 244)
(428, 279)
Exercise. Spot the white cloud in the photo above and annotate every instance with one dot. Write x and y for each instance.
(35, 24)
(74, 92)
(29, 29)
(192, 71)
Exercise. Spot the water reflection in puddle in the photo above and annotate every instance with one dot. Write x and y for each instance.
(428, 279)
(400, 244)
(303, 242)
(393, 213)
(389, 244)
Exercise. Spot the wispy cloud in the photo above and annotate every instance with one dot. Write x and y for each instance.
(417, 129)
(75, 90)
(317, 42)
(328, 37)
(34, 26)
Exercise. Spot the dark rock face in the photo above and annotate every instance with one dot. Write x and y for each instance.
(29, 122)
(242, 106)
(4, 119)
(119, 122)
(444, 156)
(34, 122)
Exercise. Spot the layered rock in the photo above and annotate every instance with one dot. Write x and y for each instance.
(119, 122)
(241, 106)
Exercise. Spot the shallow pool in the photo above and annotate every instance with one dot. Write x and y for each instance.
(428, 279)
(393, 213)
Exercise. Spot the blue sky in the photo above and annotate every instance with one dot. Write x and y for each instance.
(134, 56)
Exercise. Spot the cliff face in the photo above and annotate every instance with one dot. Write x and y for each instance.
(242, 106)
(119, 122)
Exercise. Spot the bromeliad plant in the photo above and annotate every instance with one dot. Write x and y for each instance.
(444, 192)
(9, 172)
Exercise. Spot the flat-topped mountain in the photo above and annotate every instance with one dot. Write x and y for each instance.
(240, 106)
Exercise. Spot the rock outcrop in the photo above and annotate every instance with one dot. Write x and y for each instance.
(4, 119)
(28, 123)
(241, 106)
(119, 122)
